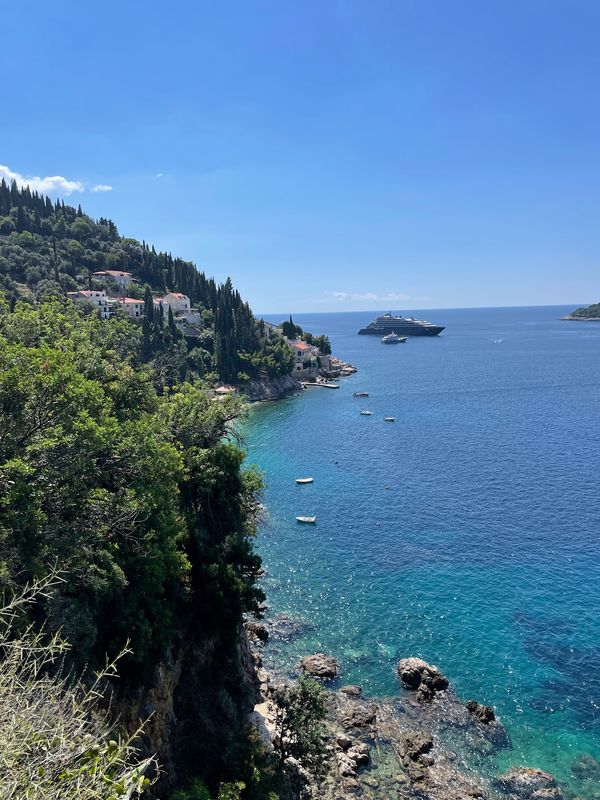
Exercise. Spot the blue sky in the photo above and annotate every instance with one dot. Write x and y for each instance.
(327, 154)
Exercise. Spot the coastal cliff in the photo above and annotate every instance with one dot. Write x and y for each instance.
(270, 388)
(196, 709)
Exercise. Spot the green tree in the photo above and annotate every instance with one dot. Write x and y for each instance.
(299, 728)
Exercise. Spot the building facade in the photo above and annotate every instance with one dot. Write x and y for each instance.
(98, 299)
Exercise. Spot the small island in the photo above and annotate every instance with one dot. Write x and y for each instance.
(589, 313)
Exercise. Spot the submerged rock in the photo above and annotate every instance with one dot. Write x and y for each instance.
(417, 675)
(287, 628)
(352, 690)
(320, 665)
(485, 714)
(586, 767)
(360, 717)
(525, 782)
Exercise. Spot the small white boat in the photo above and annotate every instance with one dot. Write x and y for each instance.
(360, 394)
(393, 338)
(307, 520)
(389, 419)
(304, 480)
(366, 413)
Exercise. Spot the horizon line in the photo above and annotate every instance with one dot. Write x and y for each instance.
(441, 308)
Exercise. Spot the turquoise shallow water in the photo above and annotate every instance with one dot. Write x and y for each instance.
(466, 533)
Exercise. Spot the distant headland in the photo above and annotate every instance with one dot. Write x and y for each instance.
(589, 313)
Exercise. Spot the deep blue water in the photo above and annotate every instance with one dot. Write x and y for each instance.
(466, 532)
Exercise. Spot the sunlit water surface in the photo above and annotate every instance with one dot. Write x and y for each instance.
(466, 532)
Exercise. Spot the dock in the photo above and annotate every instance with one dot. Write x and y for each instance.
(322, 384)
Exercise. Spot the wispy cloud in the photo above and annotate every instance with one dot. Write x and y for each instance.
(53, 184)
(358, 297)
(102, 187)
(159, 175)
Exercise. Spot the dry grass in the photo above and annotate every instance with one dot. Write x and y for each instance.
(56, 742)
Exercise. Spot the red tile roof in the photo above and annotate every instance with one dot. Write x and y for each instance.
(301, 345)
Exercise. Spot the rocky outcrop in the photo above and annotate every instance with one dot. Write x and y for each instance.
(270, 388)
(414, 750)
(362, 716)
(256, 630)
(484, 714)
(352, 690)
(524, 782)
(417, 675)
(320, 665)
(350, 756)
(405, 749)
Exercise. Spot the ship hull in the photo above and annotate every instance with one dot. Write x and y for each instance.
(432, 330)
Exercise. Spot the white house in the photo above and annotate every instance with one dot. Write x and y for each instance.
(303, 352)
(115, 276)
(131, 306)
(98, 299)
(270, 329)
(177, 302)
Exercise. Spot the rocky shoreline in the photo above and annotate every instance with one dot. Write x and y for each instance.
(424, 744)
(569, 318)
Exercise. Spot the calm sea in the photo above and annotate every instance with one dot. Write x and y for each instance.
(466, 532)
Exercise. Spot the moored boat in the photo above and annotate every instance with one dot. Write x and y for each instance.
(403, 326)
(307, 520)
(304, 480)
(389, 419)
(360, 394)
(393, 338)
(366, 413)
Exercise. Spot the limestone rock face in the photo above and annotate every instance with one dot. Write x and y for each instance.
(528, 783)
(417, 675)
(320, 665)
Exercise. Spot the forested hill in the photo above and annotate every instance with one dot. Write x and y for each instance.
(586, 312)
(49, 248)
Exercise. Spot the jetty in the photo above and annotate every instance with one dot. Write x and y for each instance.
(322, 384)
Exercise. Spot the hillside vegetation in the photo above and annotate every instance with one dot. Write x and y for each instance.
(587, 312)
(48, 248)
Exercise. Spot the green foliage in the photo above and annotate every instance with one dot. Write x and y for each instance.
(299, 728)
(322, 342)
(231, 791)
(50, 248)
(197, 791)
(138, 496)
(587, 312)
(292, 331)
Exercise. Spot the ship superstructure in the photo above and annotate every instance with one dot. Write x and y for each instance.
(402, 326)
